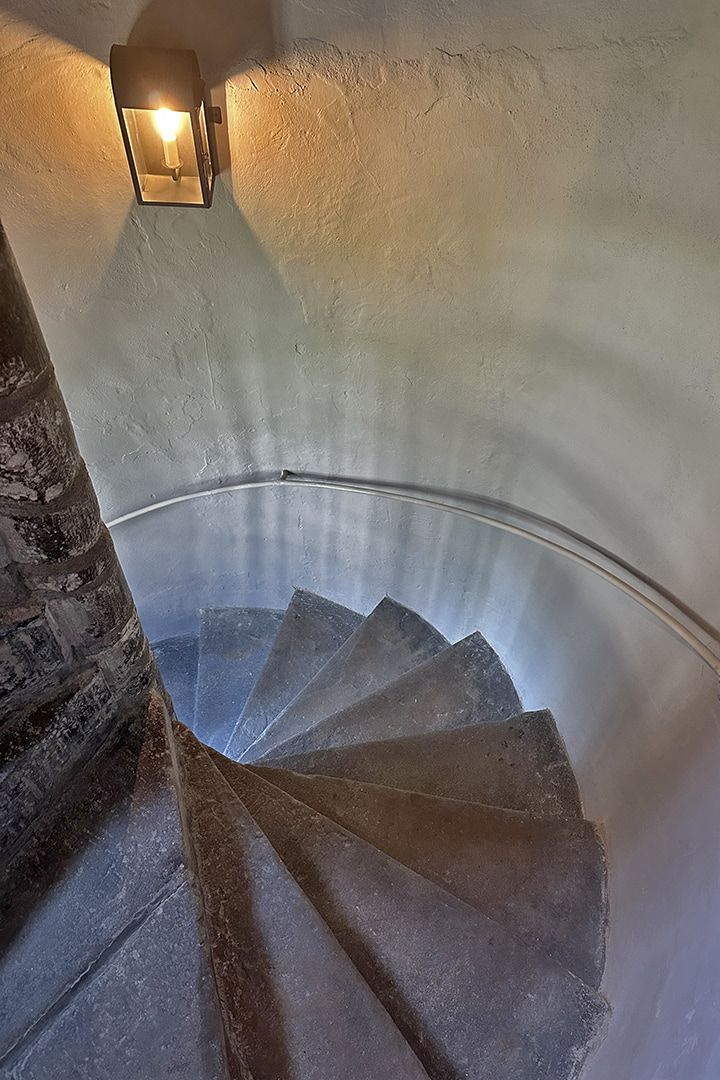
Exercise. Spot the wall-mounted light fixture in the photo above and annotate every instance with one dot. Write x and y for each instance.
(160, 101)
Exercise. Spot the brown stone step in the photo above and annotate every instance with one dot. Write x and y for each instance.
(294, 1004)
(312, 629)
(542, 878)
(470, 998)
(518, 764)
(464, 684)
(390, 642)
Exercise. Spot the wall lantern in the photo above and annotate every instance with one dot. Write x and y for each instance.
(160, 102)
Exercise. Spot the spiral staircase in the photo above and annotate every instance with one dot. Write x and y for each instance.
(395, 875)
(346, 852)
(320, 846)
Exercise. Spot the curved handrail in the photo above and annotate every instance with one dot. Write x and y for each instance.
(667, 608)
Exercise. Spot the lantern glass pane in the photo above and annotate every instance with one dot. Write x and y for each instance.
(163, 150)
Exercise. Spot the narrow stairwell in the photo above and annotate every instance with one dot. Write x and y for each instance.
(344, 852)
(395, 874)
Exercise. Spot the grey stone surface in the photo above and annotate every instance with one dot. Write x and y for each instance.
(470, 998)
(234, 645)
(392, 640)
(312, 629)
(106, 851)
(13, 592)
(294, 1004)
(147, 1010)
(465, 683)
(125, 661)
(519, 764)
(38, 452)
(42, 748)
(49, 579)
(89, 614)
(54, 533)
(23, 353)
(542, 878)
(33, 656)
(177, 661)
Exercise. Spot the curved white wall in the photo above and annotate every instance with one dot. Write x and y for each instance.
(470, 245)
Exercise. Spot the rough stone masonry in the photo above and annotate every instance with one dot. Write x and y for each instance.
(73, 656)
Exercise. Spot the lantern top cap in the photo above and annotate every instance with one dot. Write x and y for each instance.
(144, 78)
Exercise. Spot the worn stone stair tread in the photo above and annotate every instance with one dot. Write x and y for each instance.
(465, 683)
(234, 644)
(177, 659)
(104, 856)
(471, 999)
(312, 629)
(517, 764)
(391, 641)
(148, 1010)
(542, 878)
(294, 1003)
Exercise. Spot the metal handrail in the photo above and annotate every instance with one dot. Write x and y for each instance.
(653, 597)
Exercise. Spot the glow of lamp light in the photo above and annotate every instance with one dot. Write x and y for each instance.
(167, 122)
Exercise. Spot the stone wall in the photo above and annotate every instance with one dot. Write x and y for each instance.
(73, 657)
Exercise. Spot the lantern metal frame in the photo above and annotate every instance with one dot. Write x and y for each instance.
(152, 79)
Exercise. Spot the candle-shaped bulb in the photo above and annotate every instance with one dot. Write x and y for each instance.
(167, 123)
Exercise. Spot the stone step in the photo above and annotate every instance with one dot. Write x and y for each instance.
(148, 1011)
(312, 629)
(469, 997)
(104, 971)
(294, 1004)
(177, 660)
(235, 642)
(391, 641)
(542, 878)
(464, 684)
(518, 764)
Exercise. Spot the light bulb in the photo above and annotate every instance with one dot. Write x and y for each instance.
(167, 123)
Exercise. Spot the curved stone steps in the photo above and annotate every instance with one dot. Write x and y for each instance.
(471, 999)
(234, 645)
(388, 643)
(311, 631)
(104, 970)
(293, 1002)
(465, 683)
(516, 764)
(426, 836)
(542, 878)
(149, 1011)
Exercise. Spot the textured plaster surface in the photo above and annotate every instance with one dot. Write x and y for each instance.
(472, 245)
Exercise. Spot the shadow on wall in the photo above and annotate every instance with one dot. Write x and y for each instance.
(194, 267)
(224, 33)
